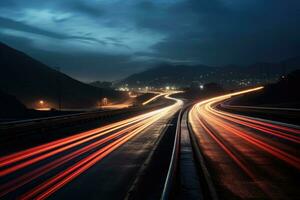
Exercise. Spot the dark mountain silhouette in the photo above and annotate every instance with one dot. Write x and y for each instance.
(167, 74)
(197, 93)
(283, 93)
(30, 80)
(10, 106)
(102, 84)
(229, 76)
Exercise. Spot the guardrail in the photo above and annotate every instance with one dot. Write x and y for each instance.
(24, 121)
(169, 182)
(206, 180)
(207, 183)
(286, 115)
(224, 105)
(20, 128)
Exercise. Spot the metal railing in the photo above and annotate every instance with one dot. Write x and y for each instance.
(174, 163)
(169, 182)
(25, 127)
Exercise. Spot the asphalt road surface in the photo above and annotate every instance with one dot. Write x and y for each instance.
(248, 158)
(100, 163)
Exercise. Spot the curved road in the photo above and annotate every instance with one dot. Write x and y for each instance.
(95, 164)
(248, 158)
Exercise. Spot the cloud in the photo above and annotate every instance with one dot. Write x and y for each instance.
(14, 25)
(81, 65)
(85, 8)
(115, 37)
(220, 33)
(19, 26)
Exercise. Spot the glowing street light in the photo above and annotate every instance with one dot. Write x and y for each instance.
(42, 105)
(104, 101)
(201, 87)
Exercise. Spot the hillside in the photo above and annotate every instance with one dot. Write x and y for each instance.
(30, 81)
(10, 106)
(283, 93)
(230, 76)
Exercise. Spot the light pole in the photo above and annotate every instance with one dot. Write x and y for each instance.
(59, 88)
(41, 102)
(105, 101)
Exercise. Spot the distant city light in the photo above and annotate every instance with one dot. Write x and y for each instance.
(42, 105)
(132, 95)
(124, 89)
(201, 87)
(167, 87)
(104, 101)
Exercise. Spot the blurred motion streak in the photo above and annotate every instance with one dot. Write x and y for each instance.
(72, 155)
(249, 143)
(153, 98)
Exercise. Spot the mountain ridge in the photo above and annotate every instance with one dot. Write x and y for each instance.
(229, 75)
(30, 80)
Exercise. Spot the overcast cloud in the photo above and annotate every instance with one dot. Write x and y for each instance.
(110, 39)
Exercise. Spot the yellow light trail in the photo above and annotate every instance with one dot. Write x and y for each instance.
(153, 98)
(94, 144)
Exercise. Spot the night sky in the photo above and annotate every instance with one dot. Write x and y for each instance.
(110, 39)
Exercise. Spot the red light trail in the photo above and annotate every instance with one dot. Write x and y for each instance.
(73, 155)
(256, 148)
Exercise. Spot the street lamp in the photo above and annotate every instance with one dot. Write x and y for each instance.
(104, 101)
(41, 102)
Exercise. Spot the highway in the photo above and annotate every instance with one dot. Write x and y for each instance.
(153, 98)
(247, 158)
(288, 115)
(211, 153)
(98, 163)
